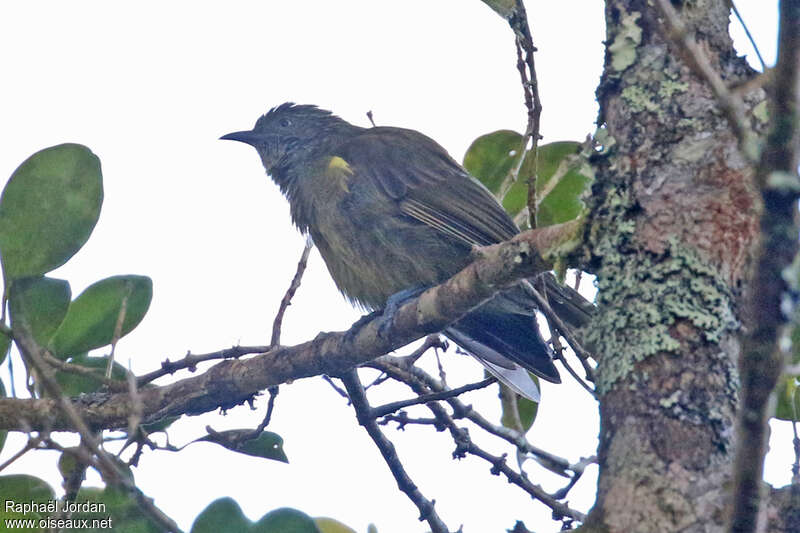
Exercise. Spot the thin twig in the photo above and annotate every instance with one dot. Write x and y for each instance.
(72, 368)
(402, 419)
(578, 277)
(465, 445)
(287, 298)
(385, 409)
(377, 381)
(30, 445)
(104, 463)
(530, 87)
(366, 419)
(336, 387)
(273, 393)
(190, 361)
(431, 341)
(559, 351)
(749, 36)
(460, 410)
(123, 310)
(562, 328)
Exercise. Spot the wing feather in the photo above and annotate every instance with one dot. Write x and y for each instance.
(429, 185)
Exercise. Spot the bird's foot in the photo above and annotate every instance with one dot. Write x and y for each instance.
(394, 303)
(366, 319)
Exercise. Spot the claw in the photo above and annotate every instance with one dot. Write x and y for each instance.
(394, 303)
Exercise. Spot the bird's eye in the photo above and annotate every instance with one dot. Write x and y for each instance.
(285, 122)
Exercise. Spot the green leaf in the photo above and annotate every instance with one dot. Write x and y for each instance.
(788, 404)
(491, 157)
(123, 511)
(223, 514)
(3, 433)
(92, 316)
(48, 209)
(525, 408)
(5, 345)
(268, 445)
(24, 489)
(73, 384)
(285, 520)
(795, 336)
(39, 305)
(563, 175)
(329, 525)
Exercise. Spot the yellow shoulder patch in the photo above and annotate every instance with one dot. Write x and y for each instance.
(337, 163)
(339, 172)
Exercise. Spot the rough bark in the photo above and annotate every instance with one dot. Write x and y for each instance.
(672, 231)
(783, 513)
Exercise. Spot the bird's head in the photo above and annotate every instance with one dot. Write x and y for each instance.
(290, 133)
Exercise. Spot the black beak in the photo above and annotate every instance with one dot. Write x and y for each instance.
(247, 137)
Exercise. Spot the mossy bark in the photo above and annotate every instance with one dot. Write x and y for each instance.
(674, 219)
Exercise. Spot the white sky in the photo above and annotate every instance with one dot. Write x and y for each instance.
(150, 87)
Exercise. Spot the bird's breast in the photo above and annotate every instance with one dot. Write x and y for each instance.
(371, 248)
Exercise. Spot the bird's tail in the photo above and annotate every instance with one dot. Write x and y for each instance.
(509, 345)
(503, 335)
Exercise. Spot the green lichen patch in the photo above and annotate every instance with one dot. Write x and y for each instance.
(641, 295)
(761, 112)
(670, 87)
(640, 99)
(623, 49)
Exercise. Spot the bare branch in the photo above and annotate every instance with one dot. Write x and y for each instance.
(383, 410)
(32, 443)
(749, 36)
(563, 329)
(190, 361)
(530, 87)
(100, 458)
(464, 445)
(414, 376)
(287, 298)
(365, 417)
(231, 383)
(761, 358)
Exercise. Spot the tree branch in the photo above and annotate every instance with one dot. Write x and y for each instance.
(287, 298)
(420, 383)
(443, 395)
(230, 383)
(761, 359)
(97, 456)
(366, 418)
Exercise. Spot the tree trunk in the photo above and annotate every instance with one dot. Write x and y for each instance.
(674, 220)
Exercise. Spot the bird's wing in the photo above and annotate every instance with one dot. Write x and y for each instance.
(428, 184)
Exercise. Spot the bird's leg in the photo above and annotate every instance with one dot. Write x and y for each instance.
(394, 303)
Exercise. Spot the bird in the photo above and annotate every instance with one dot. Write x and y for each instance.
(392, 213)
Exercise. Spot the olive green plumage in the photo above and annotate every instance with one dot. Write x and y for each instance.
(389, 211)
